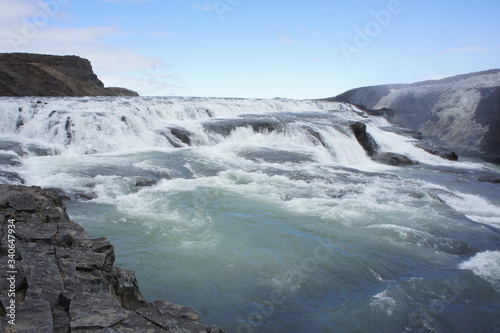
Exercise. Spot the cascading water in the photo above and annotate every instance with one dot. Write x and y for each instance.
(269, 215)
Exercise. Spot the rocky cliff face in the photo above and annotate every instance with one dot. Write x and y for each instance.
(462, 113)
(57, 279)
(25, 74)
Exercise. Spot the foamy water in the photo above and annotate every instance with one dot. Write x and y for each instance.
(268, 215)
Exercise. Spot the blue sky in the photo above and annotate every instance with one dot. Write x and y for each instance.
(256, 48)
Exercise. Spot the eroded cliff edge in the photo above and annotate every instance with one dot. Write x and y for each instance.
(461, 113)
(27, 74)
(56, 279)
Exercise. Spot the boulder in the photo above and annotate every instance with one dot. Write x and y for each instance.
(438, 151)
(393, 159)
(145, 182)
(490, 179)
(259, 124)
(364, 138)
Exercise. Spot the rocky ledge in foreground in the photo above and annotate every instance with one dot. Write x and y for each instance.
(56, 279)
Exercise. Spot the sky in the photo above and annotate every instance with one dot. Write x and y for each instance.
(256, 48)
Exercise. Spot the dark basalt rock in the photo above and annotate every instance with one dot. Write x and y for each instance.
(364, 138)
(10, 160)
(384, 112)
(13, 146)
(11, 178)
(26, 74)
(490, 179)
(66, 282)
(316, 137)
(439, 151)
(145, 182)
(226, 126)
(393, 159)
(177, 137)
(403, 131)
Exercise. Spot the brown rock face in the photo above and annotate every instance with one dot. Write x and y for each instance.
(26, 74)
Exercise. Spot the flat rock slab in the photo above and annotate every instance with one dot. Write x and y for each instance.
(35, 230)
(172, 317)
(34, 316)
(96, 310)
(43, 277)
(22, 202)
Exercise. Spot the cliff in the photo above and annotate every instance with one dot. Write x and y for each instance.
(57, 279)
(461, 113)
(26, 74)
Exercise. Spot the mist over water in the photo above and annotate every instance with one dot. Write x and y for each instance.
(268, 215)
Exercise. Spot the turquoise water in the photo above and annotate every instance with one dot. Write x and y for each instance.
(279, 222)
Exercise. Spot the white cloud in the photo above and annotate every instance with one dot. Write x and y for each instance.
(284, 38)
(466, 49)
(113, 65)
(12, 11)
(309, 30)
(153, 82)
(162, 34)
(126, 1)
(204, 7)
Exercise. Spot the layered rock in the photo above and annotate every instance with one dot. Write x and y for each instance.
(461, 113)
(26, 74)
(63, 281)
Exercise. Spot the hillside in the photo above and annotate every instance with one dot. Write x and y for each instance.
(461, 112)
(26, 74)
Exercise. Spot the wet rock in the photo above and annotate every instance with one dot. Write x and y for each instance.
(403, 131)
(317, 138)
(384, 112)
(393, 159)
(9, 159)
(490, 179)
(74, 194)
(364, 138)
(145, 182)
(226, 126)
(177, 137)
(441, 152)
(182, 134)
(274, 156)
(13, 146)
(11, 178)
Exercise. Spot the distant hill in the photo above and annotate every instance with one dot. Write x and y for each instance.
(27, 74)
(461, 113)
